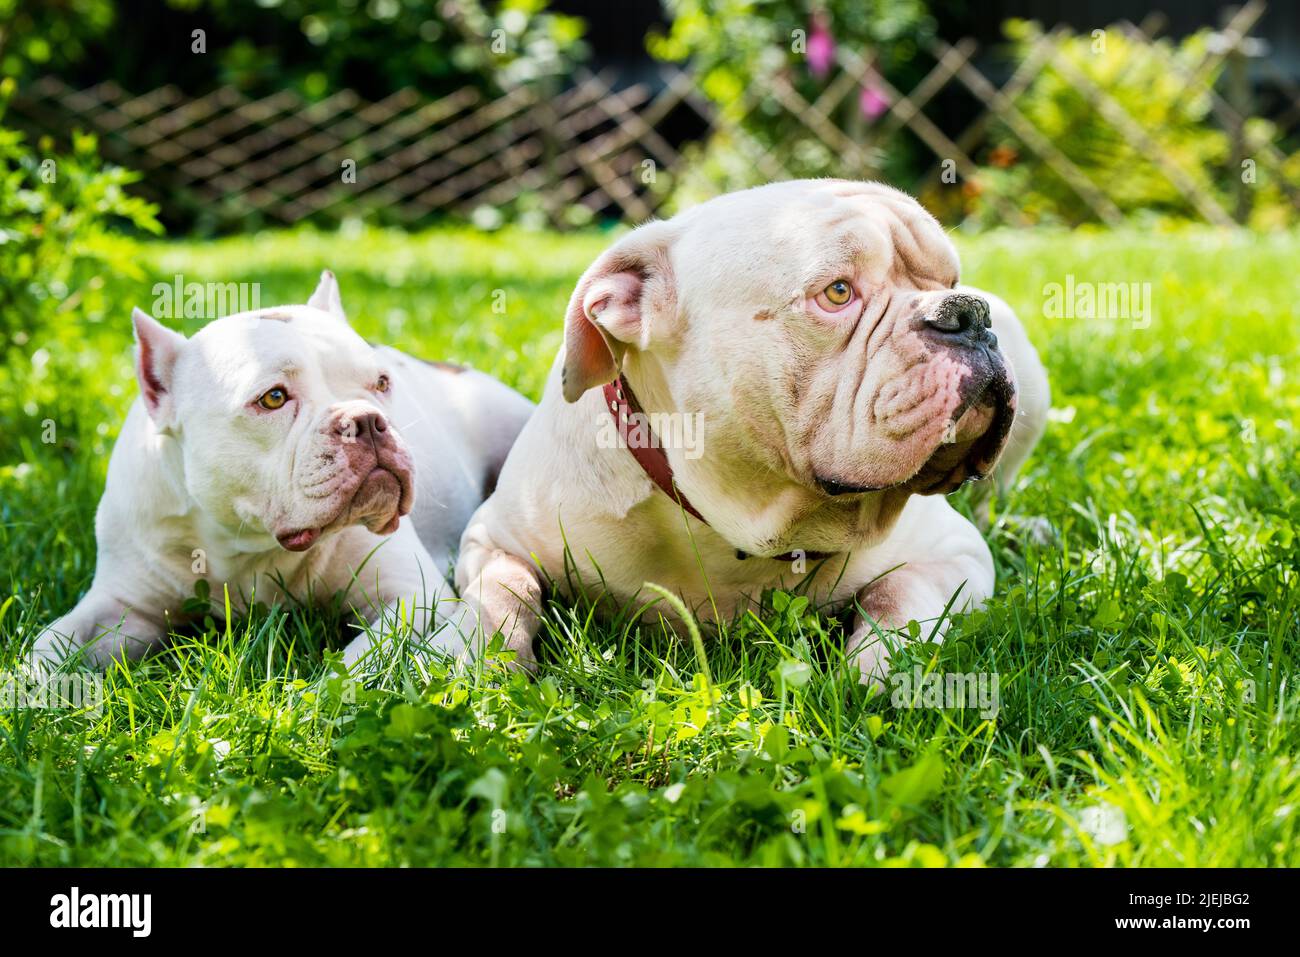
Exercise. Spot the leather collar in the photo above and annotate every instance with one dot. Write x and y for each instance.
(637, 437)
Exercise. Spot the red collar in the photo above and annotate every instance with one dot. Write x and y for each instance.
(643, 443)
(649, 454)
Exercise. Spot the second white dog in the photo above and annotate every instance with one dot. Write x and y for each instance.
(277, 454)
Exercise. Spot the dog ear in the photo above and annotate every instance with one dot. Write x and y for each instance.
(326, 297)
(155, 364)
(614, 305)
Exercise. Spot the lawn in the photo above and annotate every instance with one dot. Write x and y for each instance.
(1146, 656)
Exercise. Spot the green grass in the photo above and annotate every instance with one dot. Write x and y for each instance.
(1146, 658)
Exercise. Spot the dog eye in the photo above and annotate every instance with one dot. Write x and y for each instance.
(839, 292)
(273, 399)
(836, 296)
(382, 384)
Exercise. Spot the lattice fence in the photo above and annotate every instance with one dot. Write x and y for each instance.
(589, 146)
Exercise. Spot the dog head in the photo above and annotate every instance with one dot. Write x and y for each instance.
(281, 419)
(819, 328)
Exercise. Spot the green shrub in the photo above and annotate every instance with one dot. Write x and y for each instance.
(262, 46)
(39, 37)
(735, 44)
(1137, 76)
(58, 242)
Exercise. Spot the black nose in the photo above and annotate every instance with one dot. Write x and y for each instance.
(962, 316)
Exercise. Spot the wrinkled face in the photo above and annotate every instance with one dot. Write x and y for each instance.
(282, 418)
(824, 316)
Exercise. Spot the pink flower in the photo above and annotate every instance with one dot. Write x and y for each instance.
(873, 102)
(821, 47)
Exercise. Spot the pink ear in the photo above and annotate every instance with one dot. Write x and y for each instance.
(604, 308)
(611, 308)
(155, 359)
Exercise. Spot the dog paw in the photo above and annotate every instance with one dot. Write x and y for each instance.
(869, 648)
(355, 651)
(510, 657)
(47, 655)
(1029, 530)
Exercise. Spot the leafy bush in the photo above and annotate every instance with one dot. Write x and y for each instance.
(57, 242)
(734, 44)
(262, 46)
(35, 37)
(387, 45)
(1137, 76)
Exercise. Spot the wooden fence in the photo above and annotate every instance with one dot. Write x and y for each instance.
(592, 148)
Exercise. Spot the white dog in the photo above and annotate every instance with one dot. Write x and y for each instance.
(823, 380)
(276, 453)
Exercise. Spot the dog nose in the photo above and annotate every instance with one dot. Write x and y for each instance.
(962, 316)
(368, 425)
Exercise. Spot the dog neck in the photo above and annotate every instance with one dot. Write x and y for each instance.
(637, 435)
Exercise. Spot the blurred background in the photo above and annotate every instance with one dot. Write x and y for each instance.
(221, 116)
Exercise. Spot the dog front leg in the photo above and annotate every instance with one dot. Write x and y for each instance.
(402, 585)
(505, 593)
(954, 567)
(99, 630)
